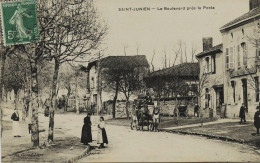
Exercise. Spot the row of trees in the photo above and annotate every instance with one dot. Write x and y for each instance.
(124, 80)
(70, 31)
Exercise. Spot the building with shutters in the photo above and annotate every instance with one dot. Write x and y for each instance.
(98, 91)
(241, 55)
(211, 88)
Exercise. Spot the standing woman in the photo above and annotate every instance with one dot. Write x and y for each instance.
(86, 135)
(16, 125)
(102, 135)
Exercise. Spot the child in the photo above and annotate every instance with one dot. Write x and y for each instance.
(102, 136)
(16, 125)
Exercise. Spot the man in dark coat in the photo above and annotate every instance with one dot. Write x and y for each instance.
(257, 119)
(196, 110)
(86, 135)
(242, 113)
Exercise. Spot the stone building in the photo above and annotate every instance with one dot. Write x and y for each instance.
(211, 85)
(174, 86)
(241, 54)
(98, 93)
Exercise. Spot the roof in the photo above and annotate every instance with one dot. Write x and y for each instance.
(215, 49)
(122, 62)
(181, 70)
(247, 16)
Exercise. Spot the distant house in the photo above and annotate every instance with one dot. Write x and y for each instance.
(174, 86)
(241, 55)
(97, 91)
(211, 85)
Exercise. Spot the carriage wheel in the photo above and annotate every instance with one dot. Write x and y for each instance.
(142, 125)
(151, 126)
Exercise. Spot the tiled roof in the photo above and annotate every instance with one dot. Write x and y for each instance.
(214, 49)
(183, 70)
(251, 14)
(122, 62)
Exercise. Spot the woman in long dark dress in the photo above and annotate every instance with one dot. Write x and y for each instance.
(86, 135)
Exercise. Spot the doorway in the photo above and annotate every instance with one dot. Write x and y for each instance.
(245, 101)
(219, 99)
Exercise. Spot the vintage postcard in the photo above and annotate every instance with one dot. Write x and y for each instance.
(130, 80)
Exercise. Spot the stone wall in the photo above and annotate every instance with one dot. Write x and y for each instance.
(167, 106)
(120, 108)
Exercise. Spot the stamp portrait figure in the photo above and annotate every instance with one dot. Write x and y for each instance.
(17, 20)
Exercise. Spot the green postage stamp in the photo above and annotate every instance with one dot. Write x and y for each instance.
(19, 22)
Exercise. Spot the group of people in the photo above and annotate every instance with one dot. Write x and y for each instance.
(242, 115)
(86, 134)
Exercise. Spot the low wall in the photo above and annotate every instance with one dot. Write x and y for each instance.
(167, 106)
(120, 108)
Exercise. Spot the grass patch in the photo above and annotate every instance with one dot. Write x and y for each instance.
(166, 121)
(119, 121)
(233, 130)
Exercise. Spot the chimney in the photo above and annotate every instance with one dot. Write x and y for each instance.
(207, 43)
(254, 4)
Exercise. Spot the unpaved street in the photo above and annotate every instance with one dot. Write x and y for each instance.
(130, 145)
(127, 145)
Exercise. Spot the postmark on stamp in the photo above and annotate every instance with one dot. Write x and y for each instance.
(19, 22)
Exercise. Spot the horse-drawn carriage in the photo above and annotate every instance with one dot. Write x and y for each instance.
(145, 113)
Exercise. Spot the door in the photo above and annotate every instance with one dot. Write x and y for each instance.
(219, 100)
(245, 101)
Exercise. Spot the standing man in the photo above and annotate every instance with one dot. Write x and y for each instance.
(196, 110)
(257, 119)
(47, 105)
(242, 113)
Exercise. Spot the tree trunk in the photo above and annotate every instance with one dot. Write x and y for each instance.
(127, 108)
(3, 59)
(34, 104)
(53, 101)
(16, 99)
(67, 99)
(115, 98)
(77, 99)
(26, 98)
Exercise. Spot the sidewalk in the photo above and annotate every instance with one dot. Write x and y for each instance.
(222, 129)
(66, 147)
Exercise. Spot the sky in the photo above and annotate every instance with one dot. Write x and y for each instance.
(161, 30)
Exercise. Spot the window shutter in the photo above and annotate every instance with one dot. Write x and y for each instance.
(213, 64)
(231, 58)
(210, 64)
(227, 59)
(238, 56)
(244, 54)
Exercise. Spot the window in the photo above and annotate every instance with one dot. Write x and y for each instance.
(257, 53)
(207, 65)
(227, 59)
(92, 83)
(232, 37)
(233, 83)
(256, 89)
(238, 56)
(213, 64)
(231, 59)
(207, 98)
(243, 33)
(244, 49)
